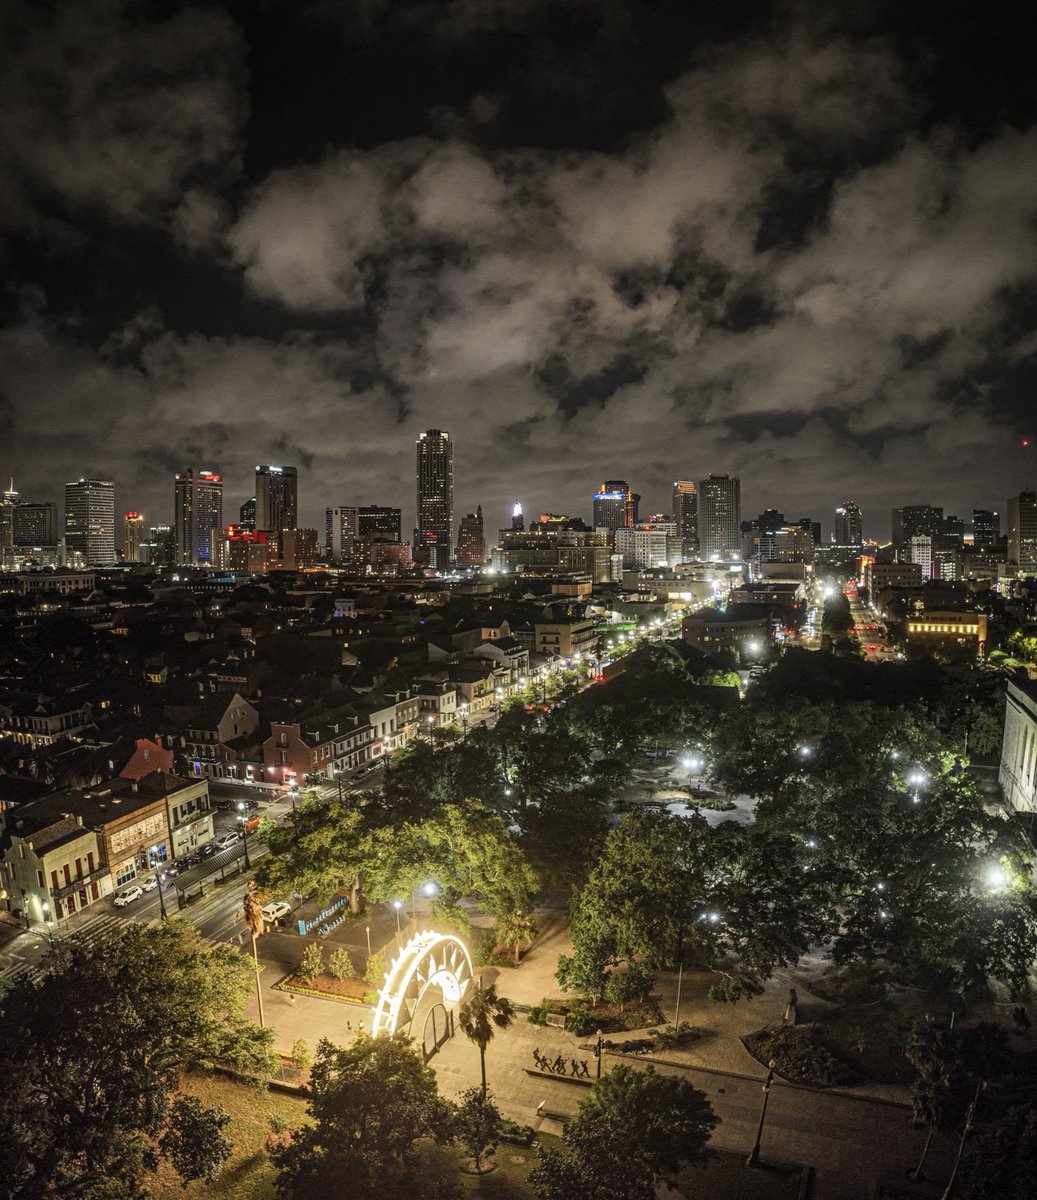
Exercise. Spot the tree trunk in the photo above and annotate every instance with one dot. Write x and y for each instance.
(354, 894)
(917, 1172)
(482, 1066)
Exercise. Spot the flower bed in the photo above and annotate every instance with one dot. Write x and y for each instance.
(798, 1056)
(350, 991)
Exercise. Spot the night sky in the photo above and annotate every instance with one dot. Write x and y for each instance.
(640, 239)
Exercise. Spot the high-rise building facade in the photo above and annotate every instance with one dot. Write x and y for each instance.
(615, 505)
(277, 498)
(197, 516)
(341, 528)
(518, 519)
(36, 524)
(953, 535)
(916, 520)
(8, 503)
(132, 536)
(247, 514)
(848, 527)
(920, 551)
(435, 498)
(379, 523)
(1022, 529)
(686, 514)
(986, 526)
(160, 548)
(471, 540)
(90, 521)
(720, 505)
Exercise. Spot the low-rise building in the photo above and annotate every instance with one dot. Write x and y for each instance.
(711, 630)
(565, 637)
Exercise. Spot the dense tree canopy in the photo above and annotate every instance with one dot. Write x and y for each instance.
(635, 1130)
(368, 1104)
(91, 1058)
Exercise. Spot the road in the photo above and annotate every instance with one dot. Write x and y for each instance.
(868, 628)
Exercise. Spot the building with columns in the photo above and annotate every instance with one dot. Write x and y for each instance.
(1018, 774)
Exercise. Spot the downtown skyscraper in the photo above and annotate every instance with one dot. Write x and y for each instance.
(197, 516)
(719, 517)
(277, 499)
(433, 534)
(90, 521)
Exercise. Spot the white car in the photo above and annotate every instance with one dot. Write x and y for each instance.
(128, 894)
(226, 840)
(275, 910)
(151, 883)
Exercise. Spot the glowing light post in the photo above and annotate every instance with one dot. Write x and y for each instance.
(243, 821)
(397, 904)
(464, 721)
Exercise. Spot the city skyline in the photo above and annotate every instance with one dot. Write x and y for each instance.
(876, 527)
(787, 244)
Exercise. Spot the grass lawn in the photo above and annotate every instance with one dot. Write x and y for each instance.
(248, 1174)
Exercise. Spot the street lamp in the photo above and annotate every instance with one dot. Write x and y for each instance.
(995, 878)
(754, 1155)
(243, 821)
(293, 791)
(161, 900)
(397, 904)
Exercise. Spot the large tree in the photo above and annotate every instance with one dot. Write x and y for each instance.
(635, 1131)
(734, 900)
(92, 1056)
(368, 1104)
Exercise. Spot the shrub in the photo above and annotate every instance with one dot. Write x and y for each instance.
(340, 965)
(312, 963)
(301, 1055)
(538, 1014)
(634, 983)
(578, 1021)
(375, 973)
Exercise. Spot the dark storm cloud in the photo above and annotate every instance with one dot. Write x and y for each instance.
(106, 105)
(787, 274)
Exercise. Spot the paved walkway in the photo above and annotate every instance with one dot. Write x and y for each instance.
(850, 1138)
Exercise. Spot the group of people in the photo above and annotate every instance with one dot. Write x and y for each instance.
(578, 1068)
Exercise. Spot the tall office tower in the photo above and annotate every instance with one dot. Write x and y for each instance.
(197, 516)
(341, 529)
(848, 528)
(953, 534)
(686, 514)
(8, 503)
(132, 536)
(247, 514)
(277, 498)
(435, 480)
(471, 540)
(1022, 529)
(986, 526)
(813, 526)
(36, 524)
(719, 517)
(518, 520)
(90, 520)
(615, 506)
(770, 520)
(920, 551)
(916, 520)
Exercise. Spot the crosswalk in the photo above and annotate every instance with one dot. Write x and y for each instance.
(88, 934)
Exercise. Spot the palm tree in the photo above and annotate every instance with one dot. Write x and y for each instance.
(516, 930)
(479, 1014)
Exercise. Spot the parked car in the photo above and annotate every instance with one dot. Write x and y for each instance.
(225, 840)
(249, 804)
(127, 895)
(225, 805)
(275, 911)
(151, 883)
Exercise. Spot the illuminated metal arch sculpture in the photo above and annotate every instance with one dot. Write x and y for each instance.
(428, 960)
